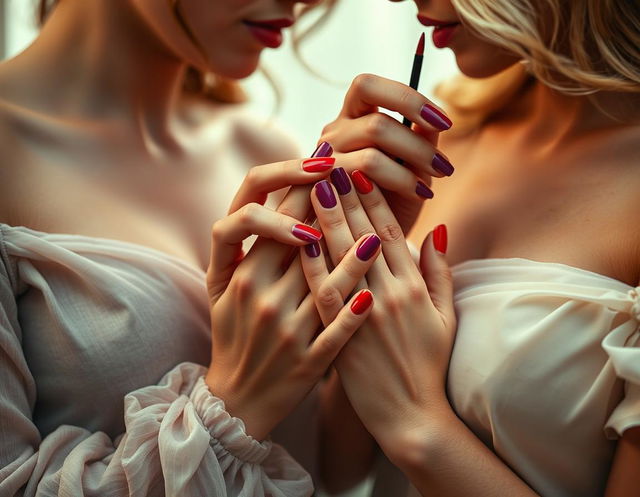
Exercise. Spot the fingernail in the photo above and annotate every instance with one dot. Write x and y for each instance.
(306, 233)
(317, 165)
(323, 150)
(435, 117)
(441, 164)
(341, 181)
(368, 247)
(440, 238)
(325, 194)
(361, 182)
(313, 249)
(423, 190)
(362, 302)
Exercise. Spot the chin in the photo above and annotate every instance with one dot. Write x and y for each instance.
(239, 68)
(476, 64)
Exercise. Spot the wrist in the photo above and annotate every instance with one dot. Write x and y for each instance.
(238, 408)
(415, 440)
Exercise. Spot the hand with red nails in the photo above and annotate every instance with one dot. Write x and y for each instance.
(402, 351)
(366, 139)
(267, 353)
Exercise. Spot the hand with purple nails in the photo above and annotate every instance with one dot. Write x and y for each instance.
(367, 140)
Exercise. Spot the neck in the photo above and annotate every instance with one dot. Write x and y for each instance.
(552, 117)
(98, 60)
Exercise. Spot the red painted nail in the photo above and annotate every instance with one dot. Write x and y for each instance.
(306, 233)
(440, 238)
(318, 165)
(362, 302)
(361, 182)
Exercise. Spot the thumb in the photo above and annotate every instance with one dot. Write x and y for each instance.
(437, 274)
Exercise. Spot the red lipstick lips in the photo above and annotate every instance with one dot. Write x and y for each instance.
(443, 30)
(268, 32)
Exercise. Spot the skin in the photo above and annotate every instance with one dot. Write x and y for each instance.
(116, 136)
(562, 189)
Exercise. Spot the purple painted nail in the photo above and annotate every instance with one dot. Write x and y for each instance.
(423, 190)
(368, 247)
(443, 165)
(434, 117)
(325, 194)
(340, 180)
(313, 249)
(323, 150)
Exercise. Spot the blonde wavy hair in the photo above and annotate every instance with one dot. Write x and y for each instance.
(587, 46)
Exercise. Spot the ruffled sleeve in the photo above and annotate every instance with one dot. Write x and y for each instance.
(622, 345)
(178, 438)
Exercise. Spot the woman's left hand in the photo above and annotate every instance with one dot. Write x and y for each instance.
(394, 368)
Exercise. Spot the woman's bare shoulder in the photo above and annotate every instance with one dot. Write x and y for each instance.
(260, 140)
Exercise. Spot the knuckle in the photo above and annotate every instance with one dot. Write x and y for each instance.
(266, 310)
(392, 304)
(288, 338)
(340, 254)
(287, 211)
(390, 233)
(354, 270)
(327, 131)
(371, 160)
(335, 223)
(328, 297)
(251, 179)
(362, 82)
(217, 230)
(406, 96)
(244, 286)
(376, 126)
(351, 205)
(446, 277)
(248, 213)
(416, 291)
(360, 232)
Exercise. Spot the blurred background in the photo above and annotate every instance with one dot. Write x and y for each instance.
(374, 36)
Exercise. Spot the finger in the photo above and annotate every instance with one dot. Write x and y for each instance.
(357, 219)
(253, 219)
(394, 244)
(385, 133)
(292, 288)
(331, 218)
(328, 344)
(368, 92)
(388, 174)
(269, 256)
(437, 274)
(264, 179)
(331, 289)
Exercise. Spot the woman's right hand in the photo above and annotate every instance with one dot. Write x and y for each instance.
(365, 139)
(266, 352)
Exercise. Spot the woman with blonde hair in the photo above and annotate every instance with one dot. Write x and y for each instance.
(517, 371)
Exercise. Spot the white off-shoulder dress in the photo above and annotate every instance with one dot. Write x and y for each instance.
(545, 369)
(102, 347)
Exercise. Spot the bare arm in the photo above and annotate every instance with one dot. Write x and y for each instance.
(347, 450)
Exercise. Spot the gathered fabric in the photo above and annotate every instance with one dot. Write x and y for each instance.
(546, 368)
(103, 347)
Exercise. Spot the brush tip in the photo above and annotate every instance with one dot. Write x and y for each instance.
(420, 48)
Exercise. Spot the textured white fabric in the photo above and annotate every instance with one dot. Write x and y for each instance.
(102, 344)
(546, 368)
